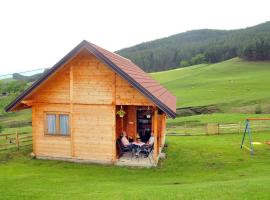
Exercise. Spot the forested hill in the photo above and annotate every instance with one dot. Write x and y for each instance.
(201, 46)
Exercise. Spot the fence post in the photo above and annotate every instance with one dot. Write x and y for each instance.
(218, 128)
(239, 130)
(17, 139)
(185, 132)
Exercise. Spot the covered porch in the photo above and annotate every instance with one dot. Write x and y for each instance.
(139, 122)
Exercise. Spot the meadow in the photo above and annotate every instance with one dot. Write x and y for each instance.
(196, 167)
(202, 167)
(232, 85)
(235, 87)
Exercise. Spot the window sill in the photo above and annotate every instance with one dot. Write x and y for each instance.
(56, 135)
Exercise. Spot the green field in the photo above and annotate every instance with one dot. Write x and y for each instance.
(233, 85)
(200, 167)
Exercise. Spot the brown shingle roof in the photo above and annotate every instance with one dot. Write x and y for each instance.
(123, 67)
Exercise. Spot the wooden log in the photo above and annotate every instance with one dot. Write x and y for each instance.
(24, 137)
(6, 134)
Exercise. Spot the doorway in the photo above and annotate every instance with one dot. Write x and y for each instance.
(144, 123)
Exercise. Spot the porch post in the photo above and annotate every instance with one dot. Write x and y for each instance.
(156, 135)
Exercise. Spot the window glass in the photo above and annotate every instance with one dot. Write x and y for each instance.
(51, 124)
(64, 124)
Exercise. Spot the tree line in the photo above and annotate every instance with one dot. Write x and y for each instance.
(201, 46)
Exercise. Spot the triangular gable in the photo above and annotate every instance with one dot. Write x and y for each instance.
(124, 68)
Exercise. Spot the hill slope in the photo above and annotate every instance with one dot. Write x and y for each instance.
(214, 45)
(234, 85)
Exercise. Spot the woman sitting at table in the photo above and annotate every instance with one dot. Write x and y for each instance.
(151, 140)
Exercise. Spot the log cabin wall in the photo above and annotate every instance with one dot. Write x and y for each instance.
(127, 95)
(46, 145)
(90, 93)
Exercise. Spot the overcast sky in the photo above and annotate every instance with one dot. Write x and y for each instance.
(36, 34)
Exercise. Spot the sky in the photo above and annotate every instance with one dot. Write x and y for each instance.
(36, 34)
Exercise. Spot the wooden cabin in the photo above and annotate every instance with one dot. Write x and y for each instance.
(75, 105)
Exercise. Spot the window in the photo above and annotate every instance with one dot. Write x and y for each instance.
(51, 124)
(63, 119)
(57, 124)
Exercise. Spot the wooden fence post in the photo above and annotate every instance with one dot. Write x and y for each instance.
(218, 129)
(239, 130)
(17, 139)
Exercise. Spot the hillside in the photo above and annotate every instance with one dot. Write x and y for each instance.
(233, 86)
(200, 46)
(232, 90)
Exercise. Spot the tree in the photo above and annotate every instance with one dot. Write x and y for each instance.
(258, 49)
(198, 59)
(184, 63)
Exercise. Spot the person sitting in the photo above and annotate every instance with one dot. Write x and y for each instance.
(130, 139)
(146, 148)
(125, 140)
(151, 140)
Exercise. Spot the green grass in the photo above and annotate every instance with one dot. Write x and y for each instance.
(235, 86)
(230, 84)
(222, 118)
(200, 167)
(17, 120)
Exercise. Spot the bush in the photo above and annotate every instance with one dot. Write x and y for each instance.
(198, 59)
(258, 109)
(184, 63)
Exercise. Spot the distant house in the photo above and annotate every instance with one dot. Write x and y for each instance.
(76, 106)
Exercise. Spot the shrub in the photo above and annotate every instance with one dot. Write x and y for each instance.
(184, 63)
(258, 109)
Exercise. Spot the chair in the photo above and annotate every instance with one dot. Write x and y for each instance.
(147, 152)
(122, 148)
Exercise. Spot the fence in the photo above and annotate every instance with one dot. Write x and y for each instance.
(15, 140)
(215, 128)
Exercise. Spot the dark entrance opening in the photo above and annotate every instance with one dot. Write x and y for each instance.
(144, 123)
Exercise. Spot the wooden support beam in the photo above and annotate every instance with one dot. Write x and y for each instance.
(156, 136)
(27, 102)
(114, 122)
(34, 130)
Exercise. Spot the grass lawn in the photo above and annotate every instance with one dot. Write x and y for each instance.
(231, 85)
(198, 167)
